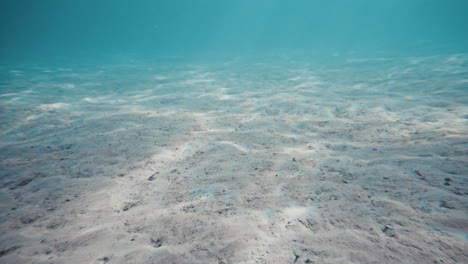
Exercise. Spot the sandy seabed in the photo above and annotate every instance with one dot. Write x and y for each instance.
(235, 162)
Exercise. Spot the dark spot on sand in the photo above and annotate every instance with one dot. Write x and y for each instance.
(65, 147)
(459, 191)
(389, 231)
(152, 177)
(447, 181)
(27, 220)
(296, 257)
(9, 250)
(104, 259)
(309, 224)
(420, 174)
(127, 206)
(54, 224)
(157, 243)
(445, 204)
(21, 183)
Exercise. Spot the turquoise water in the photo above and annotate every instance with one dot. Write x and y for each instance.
(53, 29)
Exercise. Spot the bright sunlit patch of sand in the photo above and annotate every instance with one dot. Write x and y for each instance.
(306, 85)
(197, 81)
(55, 106)
(236, 146)
(220, 97)
(295, 152)
(294, 212)
(7, 95)
(160, 78)
(66, 85)
(91, 100)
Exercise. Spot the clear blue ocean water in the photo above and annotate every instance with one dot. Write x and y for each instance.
(51, 29)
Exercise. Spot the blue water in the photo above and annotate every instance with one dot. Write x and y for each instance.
(54, 29)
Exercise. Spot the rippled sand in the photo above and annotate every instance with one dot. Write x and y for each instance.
(269, 161)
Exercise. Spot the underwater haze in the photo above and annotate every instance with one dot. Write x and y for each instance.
(53, 28)
(233, 131)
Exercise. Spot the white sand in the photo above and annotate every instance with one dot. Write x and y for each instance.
(278, 162)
